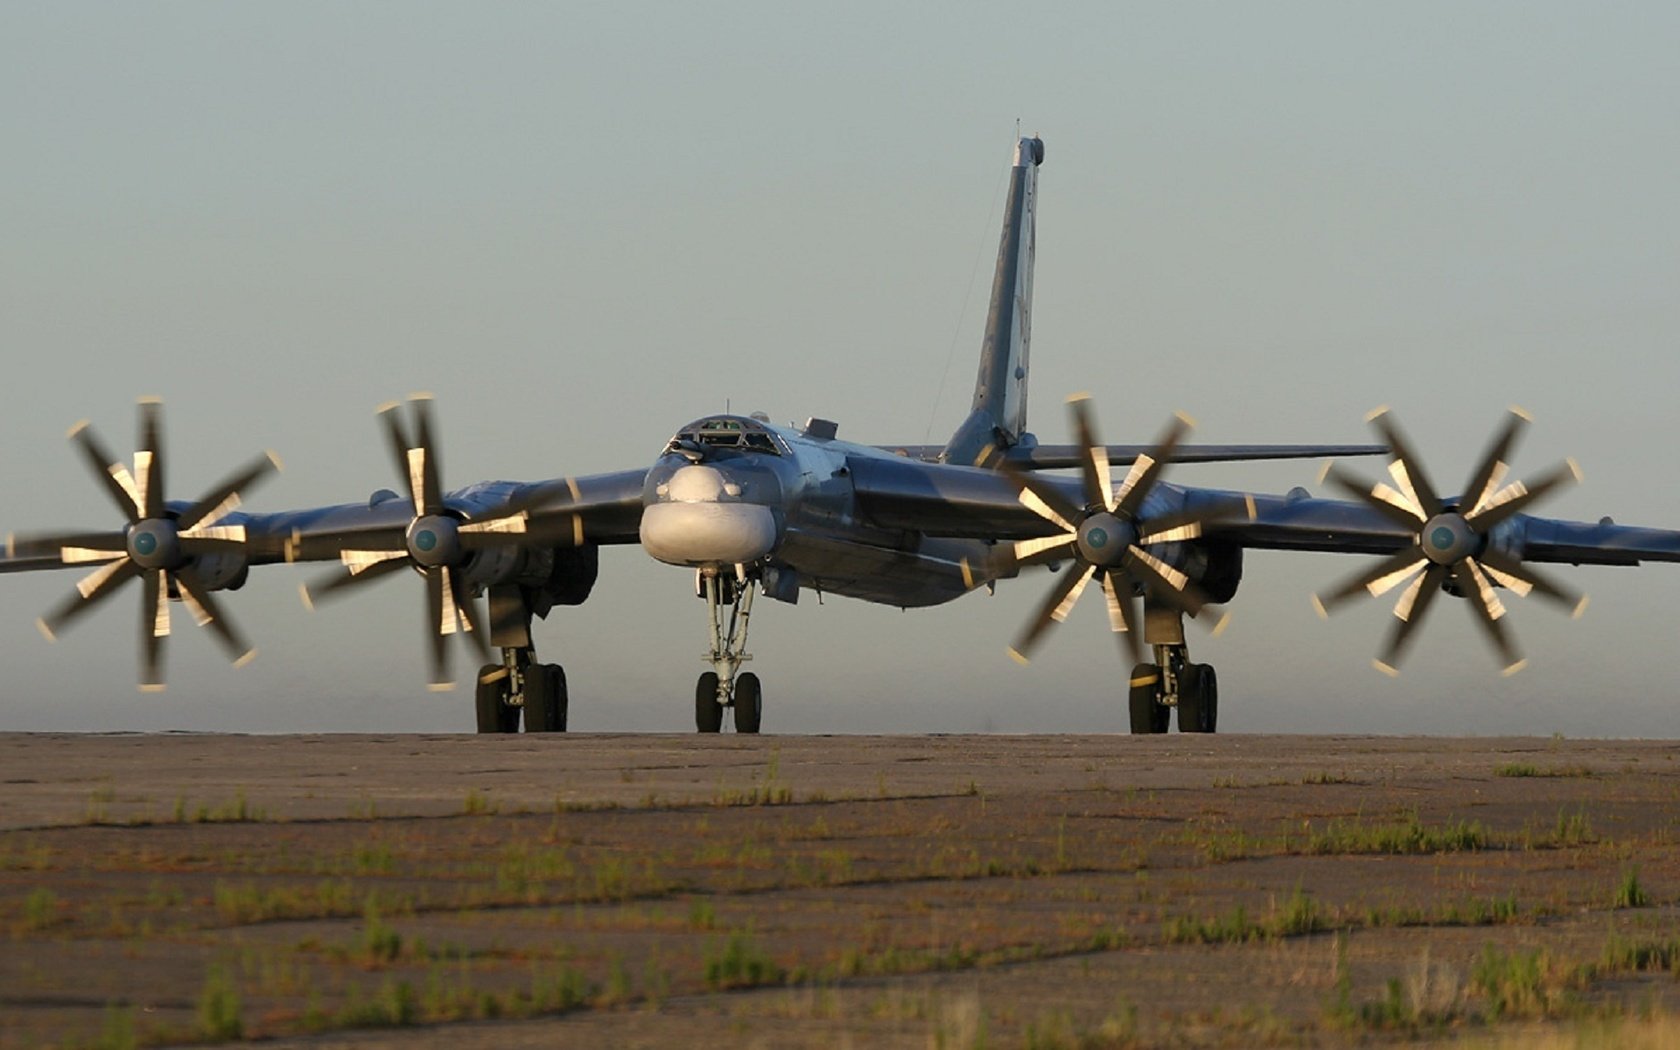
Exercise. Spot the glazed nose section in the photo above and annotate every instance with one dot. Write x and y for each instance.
(699, 522)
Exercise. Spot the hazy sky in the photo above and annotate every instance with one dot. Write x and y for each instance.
(582, 225)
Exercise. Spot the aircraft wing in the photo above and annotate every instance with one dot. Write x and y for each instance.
(597, 509)
(1061, 457)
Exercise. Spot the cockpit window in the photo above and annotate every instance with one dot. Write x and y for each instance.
(727, 432)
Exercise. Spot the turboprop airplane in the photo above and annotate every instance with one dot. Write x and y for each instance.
(753, 508)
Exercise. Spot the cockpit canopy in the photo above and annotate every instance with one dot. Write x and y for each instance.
(732, 432)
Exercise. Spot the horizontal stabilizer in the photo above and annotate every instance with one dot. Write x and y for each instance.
(1059, 457)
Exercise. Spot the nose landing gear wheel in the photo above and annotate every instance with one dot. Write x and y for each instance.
(749, 703)
(708, 713)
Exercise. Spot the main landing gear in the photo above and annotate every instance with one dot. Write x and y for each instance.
(519, 684)
(1172, 681)
(725, 685)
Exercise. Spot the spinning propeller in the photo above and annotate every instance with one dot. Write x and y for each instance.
(1450, 540)
(158, 546)
(1107, 536)
(436, 541)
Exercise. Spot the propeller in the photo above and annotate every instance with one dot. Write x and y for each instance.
(436, 541)
(158, 546)
(1450, 540)
(1108, 535)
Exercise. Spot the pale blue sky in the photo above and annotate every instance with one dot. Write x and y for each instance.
(582, 225)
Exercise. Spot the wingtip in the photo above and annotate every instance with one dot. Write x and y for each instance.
(1387, 669)
(1016, 655)
(1513, 668)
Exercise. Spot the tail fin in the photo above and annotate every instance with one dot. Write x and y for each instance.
(999, 416)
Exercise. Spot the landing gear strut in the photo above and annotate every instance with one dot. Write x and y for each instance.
(519, 684)
(725, 685)
(1172, 681)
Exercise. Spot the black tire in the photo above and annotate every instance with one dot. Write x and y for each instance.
(488, 699)
(708, 714)
(545, 699)
(749, 703)
(1141, 698)
(1198, 699)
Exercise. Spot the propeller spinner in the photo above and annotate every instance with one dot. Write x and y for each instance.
(157, 546)
(1450, 540)
(1108, 536)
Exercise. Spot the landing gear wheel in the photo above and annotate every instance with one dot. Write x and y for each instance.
(749, 703)
(490, 703)
(708, 714)
(1198, 699)
(545, 699)
(1145, 710)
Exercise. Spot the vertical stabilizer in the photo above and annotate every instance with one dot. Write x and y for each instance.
(999, 416)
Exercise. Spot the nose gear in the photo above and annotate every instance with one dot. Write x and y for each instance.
(725, 685)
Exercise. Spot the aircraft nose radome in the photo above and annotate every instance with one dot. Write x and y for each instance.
(696, 485)
(698, 534)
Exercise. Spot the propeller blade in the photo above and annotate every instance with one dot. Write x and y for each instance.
(1053, 610)
(431, 489)
(108, 469)
(71, 548)
(1164, 581)
(222, 499)
(208, 613)
(339, 583)
(1041, 549)
(1377, 580)
(1408, 613)
(154, 628)
(1490, 612)
(1094, 470)
(93, 590)
(148, 458)
(1146, 469)
(1122, 617)
(1193, 523)
(1380, 497)
(440, 621)
(1409, 463)
(1494, 465)
(1043, 498)
(1513, 498)
(468, 607)
(1523, 579)
(390, 414)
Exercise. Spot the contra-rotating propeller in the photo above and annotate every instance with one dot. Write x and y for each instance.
(1450, 540)
(435, 540)
(158, 546)
(1108, 536)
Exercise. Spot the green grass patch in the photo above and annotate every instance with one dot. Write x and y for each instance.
(1408, 836)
